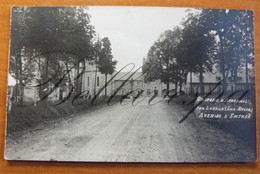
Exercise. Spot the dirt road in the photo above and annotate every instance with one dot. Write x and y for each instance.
(129, 134)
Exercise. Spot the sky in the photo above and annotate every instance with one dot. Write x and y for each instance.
(133, 30)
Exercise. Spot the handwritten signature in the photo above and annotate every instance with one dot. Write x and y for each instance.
(109, 98)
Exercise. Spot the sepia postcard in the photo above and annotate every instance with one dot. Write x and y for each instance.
(131, 84)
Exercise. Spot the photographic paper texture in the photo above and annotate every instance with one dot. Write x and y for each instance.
(131, 84)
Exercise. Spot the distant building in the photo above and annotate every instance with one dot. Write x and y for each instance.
(93, 81)
(134, 83)
(137, 84)
(210, 80)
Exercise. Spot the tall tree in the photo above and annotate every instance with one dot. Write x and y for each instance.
(247, 42)
(196, 49)
(234, 30)
(20, 67)
(162, 59)
(64, 31)
(106, 64)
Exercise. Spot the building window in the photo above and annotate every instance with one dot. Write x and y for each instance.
(97, 81)
(252, 78)
(231, 79)
(239, 78)
(88, 81)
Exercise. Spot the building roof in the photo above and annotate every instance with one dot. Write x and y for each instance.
(207, 78)
(210, 77)
(126, 75)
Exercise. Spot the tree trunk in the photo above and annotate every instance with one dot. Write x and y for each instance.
(180, 87)
(21, 85)
(45, 78)
(235, 78)
(16, 79)
(105, 85)
(40, 78)
(235, 70)
(16, 90)
(247, 87)
(168, 86)
(68, 73)
(201, 80)
(191, 82)
(78, 80)
(61, 94)
(95, 81)
(222, 63)
(176, 86)
(22, 93)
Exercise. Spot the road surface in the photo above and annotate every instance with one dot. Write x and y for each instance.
(129, 134)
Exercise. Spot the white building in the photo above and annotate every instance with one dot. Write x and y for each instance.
(210, 80)
(93, 81)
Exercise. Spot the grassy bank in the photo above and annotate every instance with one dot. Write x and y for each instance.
(21, 118)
